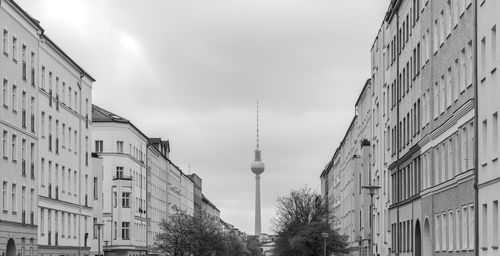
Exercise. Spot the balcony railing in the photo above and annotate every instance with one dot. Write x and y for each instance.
(122, 177)
(23, 167)
(23, 217)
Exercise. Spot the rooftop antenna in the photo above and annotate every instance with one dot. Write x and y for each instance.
(257, 125)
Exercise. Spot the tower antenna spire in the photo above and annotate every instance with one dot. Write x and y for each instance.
(257, 125)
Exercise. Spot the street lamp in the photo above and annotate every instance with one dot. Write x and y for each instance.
(372, 190)
(99, 226)
(325, 237)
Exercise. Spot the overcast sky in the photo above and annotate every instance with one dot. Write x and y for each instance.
(191, 71)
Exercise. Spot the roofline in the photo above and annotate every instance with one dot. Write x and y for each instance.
(392, 9)
(120, 122)
(368, 81)
(33, 21)
(66, 56)
(203, 197)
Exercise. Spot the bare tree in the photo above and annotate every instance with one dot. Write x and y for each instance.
(301, 218)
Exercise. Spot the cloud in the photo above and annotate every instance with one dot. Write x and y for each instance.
(191, 71)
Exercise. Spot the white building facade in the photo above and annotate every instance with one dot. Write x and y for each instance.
(19, 117)
(123, 149)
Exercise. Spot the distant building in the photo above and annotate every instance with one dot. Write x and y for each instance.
(209, 208)
(123, 148)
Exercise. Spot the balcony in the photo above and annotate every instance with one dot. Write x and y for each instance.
(23, 167)
(23, 217)
(122, 177)
(32, 170)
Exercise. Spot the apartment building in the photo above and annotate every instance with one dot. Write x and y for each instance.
(123, 147)
(65, 92)
(174, 188)
(157, 162)
(488, 16)
(19, 118)
(209, 208)
(97, 194)
(346, 175)
(423, 130)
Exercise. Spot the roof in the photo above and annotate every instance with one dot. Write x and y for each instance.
(100, 115)
(368, 82)
(204, 199)
(34, 21)
(66, 56)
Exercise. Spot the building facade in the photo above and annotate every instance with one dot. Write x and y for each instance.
(123, 149)
(422, 144)
(19, 118)
(157, 162)
(488, 16)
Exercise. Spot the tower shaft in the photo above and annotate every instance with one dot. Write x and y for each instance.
(257, 205)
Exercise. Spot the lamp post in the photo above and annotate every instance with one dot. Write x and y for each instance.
(99, 226)
(372, 190)
(325, 237)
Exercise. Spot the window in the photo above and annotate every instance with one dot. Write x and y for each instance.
(437, 234)
(125, 230)
(125, 200)
(98, 146)
(115, 199)
(5, 93)
(493, 53)
(95, 229)
(14, 148)
(13, 201)
(14, 97)
(483, 59)
(484, 237)
(96, 188)
(4, 196)
(42, 221)
(4, 144)
(119, 146)
(471, 227)
(119, 172)
(494, 212)
(5, 41)
(14, 48)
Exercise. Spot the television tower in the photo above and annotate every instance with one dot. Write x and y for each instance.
(257, 168)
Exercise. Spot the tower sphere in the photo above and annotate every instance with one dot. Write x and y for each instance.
(258, 167)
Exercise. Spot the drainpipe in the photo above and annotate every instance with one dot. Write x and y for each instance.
(476, 140)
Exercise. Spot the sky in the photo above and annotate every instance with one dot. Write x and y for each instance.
(191, 71)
